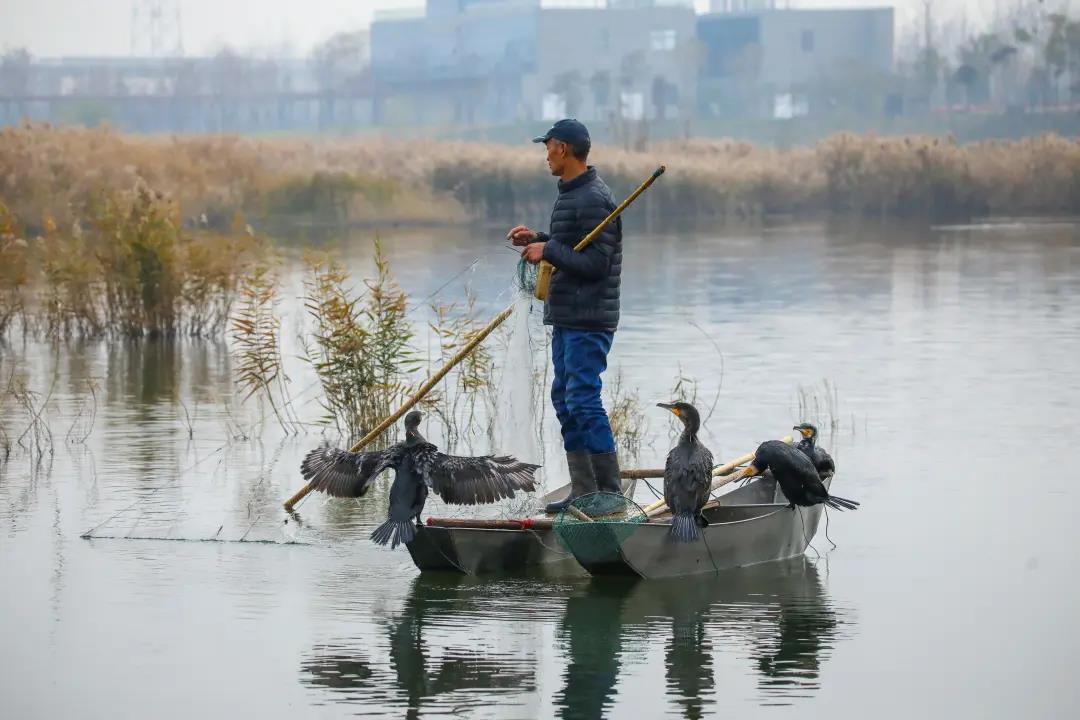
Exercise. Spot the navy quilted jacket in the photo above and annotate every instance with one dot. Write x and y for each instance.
(584, 293)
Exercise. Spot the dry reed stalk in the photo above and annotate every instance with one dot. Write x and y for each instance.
(360, 345)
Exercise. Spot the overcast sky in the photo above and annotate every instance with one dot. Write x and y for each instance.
(103, 27)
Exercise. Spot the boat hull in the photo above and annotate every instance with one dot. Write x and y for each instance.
(472, 551)
(753, 524)
(743, 531)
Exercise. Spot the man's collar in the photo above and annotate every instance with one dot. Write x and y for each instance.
(589, 174)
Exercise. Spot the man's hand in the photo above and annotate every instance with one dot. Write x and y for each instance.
(521, 235)
(533, 252)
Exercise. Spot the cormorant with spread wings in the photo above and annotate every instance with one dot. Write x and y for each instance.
(418, 465)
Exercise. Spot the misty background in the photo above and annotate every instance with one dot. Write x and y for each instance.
(102, 27)
(775, 72)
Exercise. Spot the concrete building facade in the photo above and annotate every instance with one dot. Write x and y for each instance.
(489, 63)
(507, 61)
(778, 62)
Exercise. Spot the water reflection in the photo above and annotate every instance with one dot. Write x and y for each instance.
(592, 634)
(426, 668)
(779, 611)
(434, 653)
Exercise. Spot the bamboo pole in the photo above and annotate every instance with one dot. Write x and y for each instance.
(726, 470)
(417, 397)
(543, 278)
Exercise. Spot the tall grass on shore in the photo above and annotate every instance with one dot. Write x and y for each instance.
(58, 171)
(127, 268)
(14, 270)
(55, 172)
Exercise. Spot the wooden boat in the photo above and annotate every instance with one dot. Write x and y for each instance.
(749, 525)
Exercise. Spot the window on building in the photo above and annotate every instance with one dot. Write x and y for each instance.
(808, 41)
(660, 40)
(632, 105)
(552, 106)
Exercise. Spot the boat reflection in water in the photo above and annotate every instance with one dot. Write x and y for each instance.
(777, 613)
(441, 655)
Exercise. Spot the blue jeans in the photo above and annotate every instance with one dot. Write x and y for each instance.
(579, 356)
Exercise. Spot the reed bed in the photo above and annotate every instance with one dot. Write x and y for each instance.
(127, 267)
(56, 172)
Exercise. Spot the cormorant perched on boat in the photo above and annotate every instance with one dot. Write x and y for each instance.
(796, 475)
(418, 465)
(687, 475)
(809, 447)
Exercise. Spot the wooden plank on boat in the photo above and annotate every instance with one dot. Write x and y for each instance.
(480, 524)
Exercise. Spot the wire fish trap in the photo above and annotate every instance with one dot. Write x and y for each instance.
(599, 526)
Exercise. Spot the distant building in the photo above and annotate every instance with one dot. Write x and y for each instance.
(758, 60)
(496, 62)
(489, 63)
(226, 92)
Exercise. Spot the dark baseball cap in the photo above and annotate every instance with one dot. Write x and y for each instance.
(569, 131)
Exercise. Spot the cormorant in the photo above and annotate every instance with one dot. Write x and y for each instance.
(417, 465)
(687, 475)
(809, 447)
(796, 475)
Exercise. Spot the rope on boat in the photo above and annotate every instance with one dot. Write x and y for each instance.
(807, 539)
(708, 549)
(825, 509)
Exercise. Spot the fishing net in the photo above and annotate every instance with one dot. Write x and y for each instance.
(526, 276)
(612, 519)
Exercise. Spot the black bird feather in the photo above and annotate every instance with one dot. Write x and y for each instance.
(687, 476)
(796, 475)
(823, 462)
(418, 466)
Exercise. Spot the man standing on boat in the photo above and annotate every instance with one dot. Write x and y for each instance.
(582, 306)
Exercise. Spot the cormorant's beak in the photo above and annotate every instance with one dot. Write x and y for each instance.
(670, 408)
(805, 432)
(749, 471)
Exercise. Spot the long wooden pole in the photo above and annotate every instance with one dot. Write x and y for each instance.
(417, 397)
(660, 506)
(543, 279)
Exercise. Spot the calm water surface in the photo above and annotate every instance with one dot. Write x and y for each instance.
(952, 592)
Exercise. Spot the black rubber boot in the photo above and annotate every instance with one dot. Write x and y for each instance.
(606, 471)
(582, 480)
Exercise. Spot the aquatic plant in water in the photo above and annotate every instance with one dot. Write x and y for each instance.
(360, 345)
(255, 330)
(128, 269)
